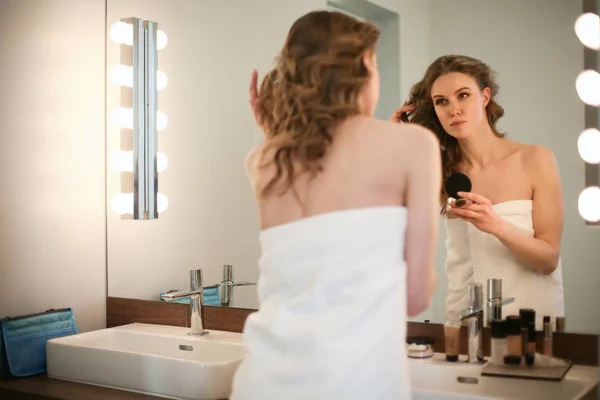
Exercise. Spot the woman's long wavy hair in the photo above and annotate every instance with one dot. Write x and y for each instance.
(315, 84)
(424, 114)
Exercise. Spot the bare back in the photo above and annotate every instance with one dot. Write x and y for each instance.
(370, 163)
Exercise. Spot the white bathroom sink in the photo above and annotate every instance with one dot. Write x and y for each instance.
(436, 379)
(152, 359)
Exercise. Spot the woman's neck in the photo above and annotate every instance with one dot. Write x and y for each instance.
(482, 147)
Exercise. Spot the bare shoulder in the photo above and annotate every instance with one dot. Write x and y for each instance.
(252, 161)
(538, 159)
(411, 137)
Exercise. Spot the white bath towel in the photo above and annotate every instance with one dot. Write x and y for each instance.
(474, 256)
(332, 317)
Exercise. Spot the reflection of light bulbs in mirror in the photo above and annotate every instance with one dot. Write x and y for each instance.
(122, 161)
(122, 203)
(122, 33)
(588, 87)
(122, 75)
(161, 80)
(588, 145)
(161, 121)
(587, 29)
(589, 204)
(161, 40)
(162, 162)
(122, 118)
(162, 202)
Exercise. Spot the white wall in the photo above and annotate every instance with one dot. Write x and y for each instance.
(212, 219)
(533, 47)
(52, 252)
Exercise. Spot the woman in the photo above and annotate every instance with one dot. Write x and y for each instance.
(348, 210)
(513, 225)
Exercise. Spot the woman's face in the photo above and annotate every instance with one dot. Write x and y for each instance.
(459, 103)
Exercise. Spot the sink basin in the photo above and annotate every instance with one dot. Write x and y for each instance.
(436, 379)
(164, 361)
(153, 359)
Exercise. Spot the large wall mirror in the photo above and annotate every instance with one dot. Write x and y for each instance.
(212, 48)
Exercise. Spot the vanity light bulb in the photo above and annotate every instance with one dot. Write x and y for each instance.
(122, 161)
(161, 40)
(587, 29)
(161, 80)
(122, 33)
(122, 203)
(162, 162)
(122, 75)
(589, 204)
(162, 202)
(161, 121)
(588, 145)
(588, 87)
(122, 118)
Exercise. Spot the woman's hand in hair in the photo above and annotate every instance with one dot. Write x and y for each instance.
(401, 114)
(254, 98)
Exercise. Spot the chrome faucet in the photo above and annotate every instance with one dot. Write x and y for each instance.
(474, 316)
(495, 300)
(195, 293)
(227, 285)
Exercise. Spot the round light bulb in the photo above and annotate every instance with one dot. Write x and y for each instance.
(588, 145)
(122, 33)
(122, 118)
(122, 203)
(162, 162)
(589, 204)
(161, 40)
(122, 75)
(161, 121)
(161, 80)
(122, 160)
(162, 202)
(588, 87)
(587, 29)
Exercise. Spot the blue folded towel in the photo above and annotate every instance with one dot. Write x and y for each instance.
(211, 297)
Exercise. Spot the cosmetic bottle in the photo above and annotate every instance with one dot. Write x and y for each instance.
(527, 316)
(530, 354)
(514, 346)
(547, 350)
(452, 341)
(498, 340)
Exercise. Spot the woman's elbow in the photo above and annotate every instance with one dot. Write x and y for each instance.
(419, 302)
(552, 264)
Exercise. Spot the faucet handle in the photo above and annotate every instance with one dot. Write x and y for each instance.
(228, 272)
(195, 278)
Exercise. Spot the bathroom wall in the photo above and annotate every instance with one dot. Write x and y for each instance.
(533, 47)
(52, 169)
(211, 219)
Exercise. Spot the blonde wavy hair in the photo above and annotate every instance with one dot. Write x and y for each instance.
(315, 84)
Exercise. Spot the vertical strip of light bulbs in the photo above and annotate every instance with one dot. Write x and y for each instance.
(587, 84)
(139, 72)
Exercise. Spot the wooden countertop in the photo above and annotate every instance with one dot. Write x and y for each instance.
(40, 387)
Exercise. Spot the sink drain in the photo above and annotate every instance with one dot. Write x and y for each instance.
(466, 379)
(185, 347)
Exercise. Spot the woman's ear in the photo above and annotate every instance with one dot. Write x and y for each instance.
(370, 60)
(486, 95)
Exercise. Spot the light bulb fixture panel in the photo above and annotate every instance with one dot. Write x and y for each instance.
(145, 107)
(591, 60)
